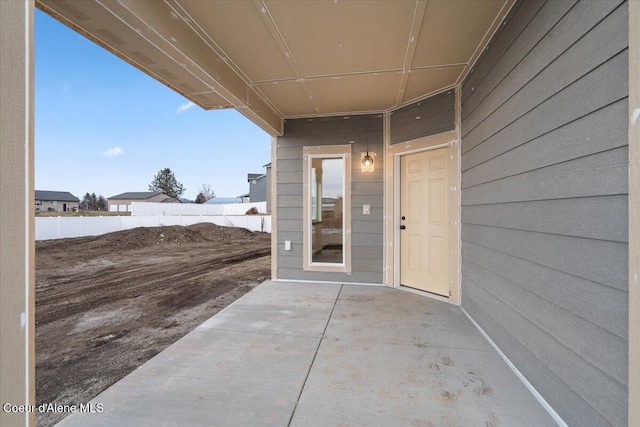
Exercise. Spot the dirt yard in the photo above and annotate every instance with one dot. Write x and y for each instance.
(107, 304)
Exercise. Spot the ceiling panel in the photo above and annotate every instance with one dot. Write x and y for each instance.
(349, 55)
(422, 82)
(211, 100)
(452, 30)
(331, 37)
(289, 97)
(239, 30)
(370, 92)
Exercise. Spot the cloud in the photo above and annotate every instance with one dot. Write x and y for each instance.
(185, 107)
(112, 152)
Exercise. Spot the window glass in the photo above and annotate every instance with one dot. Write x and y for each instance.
(327, 210)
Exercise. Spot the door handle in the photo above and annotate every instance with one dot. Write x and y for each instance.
(402, 227)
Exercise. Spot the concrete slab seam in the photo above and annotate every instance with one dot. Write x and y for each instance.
(295, 406)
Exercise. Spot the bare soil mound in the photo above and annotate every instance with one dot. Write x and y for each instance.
(106, 304)
(72, 251)
(141, 237)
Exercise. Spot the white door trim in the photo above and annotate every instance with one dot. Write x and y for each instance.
(392, 207)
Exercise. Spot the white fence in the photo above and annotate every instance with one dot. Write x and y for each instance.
(174, 209)
(57, 227)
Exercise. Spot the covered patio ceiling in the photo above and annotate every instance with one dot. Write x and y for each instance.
(274, 59)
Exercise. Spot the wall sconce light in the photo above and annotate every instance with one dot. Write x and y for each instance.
(367, 162)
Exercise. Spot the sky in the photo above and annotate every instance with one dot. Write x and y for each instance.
(103, 126)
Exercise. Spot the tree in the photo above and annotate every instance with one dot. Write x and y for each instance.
(84, 204)
(207, 192)
(200, 198)
(101, 204)
(166, 182)
(93, 202)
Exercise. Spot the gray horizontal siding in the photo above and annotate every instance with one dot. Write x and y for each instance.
(557, 146)
(599, 174)
(559, 323)
(258, 191)
(587, 299)
(526, 39)
(427, 117)
(569, 51)
(601, 261)
(363, 133)
(541, 364)
(517, 20)
(376, 201)
(601, 87)
(578, 217)
(545, 202)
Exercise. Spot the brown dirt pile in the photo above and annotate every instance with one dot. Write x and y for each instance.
(107, 304)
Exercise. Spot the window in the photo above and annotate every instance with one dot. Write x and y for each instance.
(38, 202)
(327, 225)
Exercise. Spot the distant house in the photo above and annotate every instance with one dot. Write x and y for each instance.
(225, 200)
(56, 201)
(122, 202)
(260, 187)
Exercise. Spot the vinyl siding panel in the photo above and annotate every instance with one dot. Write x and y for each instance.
(479, 303)
(590, 300)
(427, 117)
(578, 138)
(516, 22)
(362, 132)
(545, 202)
(258, 191)
(578, 217)
(530, 35)
(601, 87)
(570, 50)
(600, 174)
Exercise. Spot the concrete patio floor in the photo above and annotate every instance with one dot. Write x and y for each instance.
(305, 354)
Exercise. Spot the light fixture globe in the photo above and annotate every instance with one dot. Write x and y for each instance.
(367, 161)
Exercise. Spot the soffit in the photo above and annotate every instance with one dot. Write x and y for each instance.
(274, 59)
(447, 28)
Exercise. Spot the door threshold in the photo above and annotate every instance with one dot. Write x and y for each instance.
(427, 294)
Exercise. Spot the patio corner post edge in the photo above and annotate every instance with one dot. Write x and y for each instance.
(17, 268)
(634, 212)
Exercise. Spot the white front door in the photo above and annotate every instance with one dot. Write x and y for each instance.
(424, 220)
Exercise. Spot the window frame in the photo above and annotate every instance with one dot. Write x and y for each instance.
(333, 152)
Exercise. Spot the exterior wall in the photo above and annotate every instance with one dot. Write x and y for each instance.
(544, 202)
(56, 206)
(433, 115)
(366, 188)
(258, 191)
(17, 267)
(127, 202)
